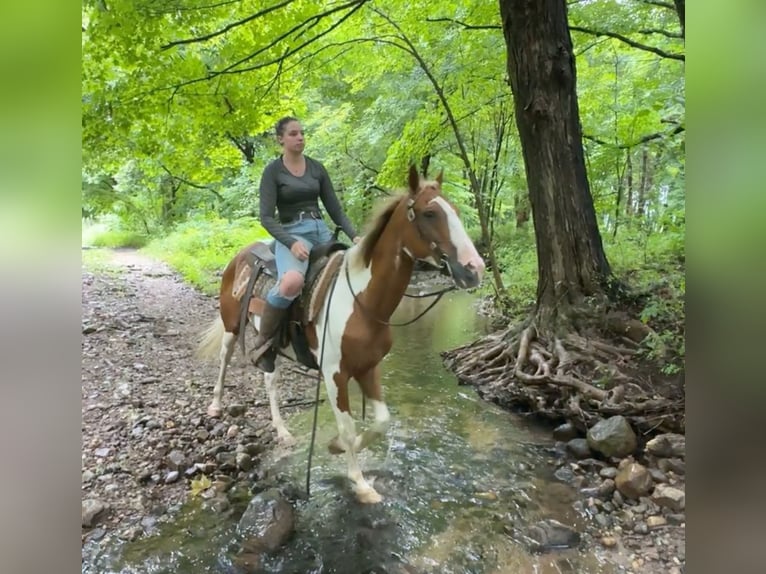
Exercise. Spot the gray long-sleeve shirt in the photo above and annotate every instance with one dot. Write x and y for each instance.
(282, 191)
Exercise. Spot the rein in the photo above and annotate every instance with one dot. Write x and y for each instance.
(319, 383)
(437, 294)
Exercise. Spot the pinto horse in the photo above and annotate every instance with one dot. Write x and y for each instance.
(370, 281)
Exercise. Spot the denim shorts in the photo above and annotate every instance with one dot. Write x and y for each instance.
(311, 232)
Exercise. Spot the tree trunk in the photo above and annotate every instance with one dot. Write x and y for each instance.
(629, 184)
(541, 67)
(681, 11)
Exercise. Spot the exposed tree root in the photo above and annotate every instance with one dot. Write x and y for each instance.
(566, 377)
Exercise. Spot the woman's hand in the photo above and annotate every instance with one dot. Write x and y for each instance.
(298, 249)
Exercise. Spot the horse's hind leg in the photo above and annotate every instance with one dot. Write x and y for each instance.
(271, 380)
(370, 385)
(337, 391)
(227, 350)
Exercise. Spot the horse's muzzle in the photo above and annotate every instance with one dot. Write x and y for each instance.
(465, 276)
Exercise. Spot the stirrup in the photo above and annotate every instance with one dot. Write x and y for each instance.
(265, 357)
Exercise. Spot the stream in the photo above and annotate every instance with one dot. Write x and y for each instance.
(462, 481)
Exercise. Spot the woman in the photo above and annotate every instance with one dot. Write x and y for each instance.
(292, 184)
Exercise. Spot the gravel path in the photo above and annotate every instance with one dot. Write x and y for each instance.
(145, 432)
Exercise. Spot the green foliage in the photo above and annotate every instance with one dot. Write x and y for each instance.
(119, 238)
(200, 248)
(175, 137)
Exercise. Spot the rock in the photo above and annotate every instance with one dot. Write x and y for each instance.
(656, 521)
(672, 465)
(202, 435)
(244, 461)
(608, 472)
(176, 460)
(658, 475)
(606, 488)
(550, 534)
(578, 447)
(92, 510)
(608, 541)
(676, 518)
(633, 480)
(564, 474)
(641, 528)
(669, 497)
(236, 410)
(102, 452)
(232, 431)
(266, 524)
(667, 445)
(565, 432)
(171, 477)
(88, 476)
(612, 437)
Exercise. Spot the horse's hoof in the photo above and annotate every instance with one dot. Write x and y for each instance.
(286, 439)
(335, 447)
(368, 495)
(214, 412)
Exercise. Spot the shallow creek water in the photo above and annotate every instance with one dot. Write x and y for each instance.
(461, 480)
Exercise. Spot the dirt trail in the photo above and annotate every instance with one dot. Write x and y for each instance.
(145, 432)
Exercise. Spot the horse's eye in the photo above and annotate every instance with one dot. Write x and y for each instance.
(429, 214)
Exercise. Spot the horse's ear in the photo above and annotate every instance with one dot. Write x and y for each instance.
(439, 177)
(414, 179)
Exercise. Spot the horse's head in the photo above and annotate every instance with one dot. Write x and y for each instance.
(436, 234)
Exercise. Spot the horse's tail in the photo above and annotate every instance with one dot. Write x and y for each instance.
(209, 346)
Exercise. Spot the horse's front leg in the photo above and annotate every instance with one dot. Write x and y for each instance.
(371, 387)
(272, 380)
(227, 350)
(337, 392)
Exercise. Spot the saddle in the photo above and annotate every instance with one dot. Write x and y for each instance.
(256, 274)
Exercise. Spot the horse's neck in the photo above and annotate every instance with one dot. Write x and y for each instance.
(391, 270)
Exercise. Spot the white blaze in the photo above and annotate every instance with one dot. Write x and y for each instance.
(466, 251)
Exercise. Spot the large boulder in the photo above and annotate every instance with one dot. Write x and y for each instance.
(612, 437)
(267, 523)
(633, 480)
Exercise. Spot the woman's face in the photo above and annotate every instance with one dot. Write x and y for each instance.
(292, 137)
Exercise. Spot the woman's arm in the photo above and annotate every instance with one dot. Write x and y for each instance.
(332, 204)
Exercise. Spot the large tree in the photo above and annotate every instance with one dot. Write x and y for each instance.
(541, 69)
(564, 361)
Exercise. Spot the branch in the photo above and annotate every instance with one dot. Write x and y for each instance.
(659, 3)
(191, 183)
(666, 33)
(228, 27)
(466, 26)
(630, 42)
(643, 140)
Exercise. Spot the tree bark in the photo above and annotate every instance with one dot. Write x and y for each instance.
(541, 68)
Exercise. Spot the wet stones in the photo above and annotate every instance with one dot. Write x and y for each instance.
(92, 511)
(550, 534)
(267, 523)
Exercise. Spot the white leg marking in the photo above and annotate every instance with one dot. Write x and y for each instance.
(377, 429)
(227, 350)
(271, 380)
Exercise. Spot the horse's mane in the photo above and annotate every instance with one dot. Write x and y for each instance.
(376, 226)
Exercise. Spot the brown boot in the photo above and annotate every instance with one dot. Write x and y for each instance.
(263, 354)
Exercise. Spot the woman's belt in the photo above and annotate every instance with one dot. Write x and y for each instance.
(301, 215)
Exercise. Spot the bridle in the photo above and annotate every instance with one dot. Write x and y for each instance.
(411, 217)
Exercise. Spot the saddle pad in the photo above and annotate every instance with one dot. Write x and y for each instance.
(242, 275)
(313, 300)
